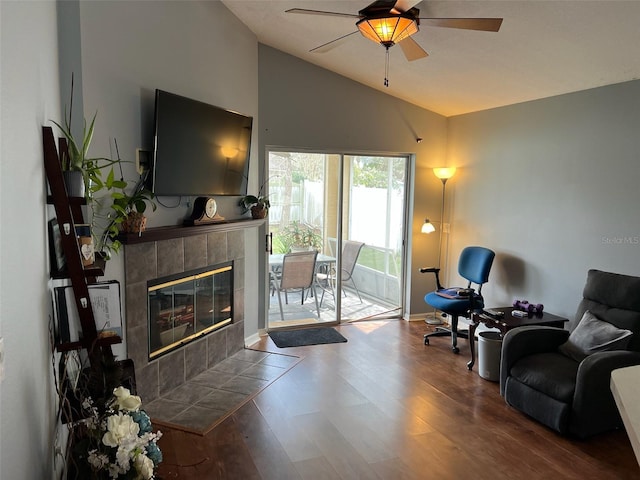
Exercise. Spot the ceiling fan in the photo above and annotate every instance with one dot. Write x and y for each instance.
(391, 22)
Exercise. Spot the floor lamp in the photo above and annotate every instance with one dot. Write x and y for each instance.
(444, 174)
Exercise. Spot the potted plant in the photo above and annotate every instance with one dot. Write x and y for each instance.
(300, 237)
(131, 208)
(114, 439)
(82, 174)
(258, 204)
(112, 209)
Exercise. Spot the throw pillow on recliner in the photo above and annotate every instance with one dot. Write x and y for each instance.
(594, 335)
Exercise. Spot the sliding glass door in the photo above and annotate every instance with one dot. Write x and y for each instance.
(351, 210)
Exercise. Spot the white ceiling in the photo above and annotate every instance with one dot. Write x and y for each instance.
(543, 48)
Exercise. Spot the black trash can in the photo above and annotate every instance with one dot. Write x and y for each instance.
(489, 348)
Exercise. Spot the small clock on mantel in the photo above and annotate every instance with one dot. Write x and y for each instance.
(205, 211)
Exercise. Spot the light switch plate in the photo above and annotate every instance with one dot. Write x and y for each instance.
(143, 160)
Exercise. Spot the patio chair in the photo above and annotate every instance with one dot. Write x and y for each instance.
(297, 274)
(350, 253)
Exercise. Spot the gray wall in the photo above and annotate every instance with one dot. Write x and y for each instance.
(123, 50)
(29, 98)
(552, 187)
(197, 49)
(302, 105)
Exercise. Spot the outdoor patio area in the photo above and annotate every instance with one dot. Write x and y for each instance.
(297, 313)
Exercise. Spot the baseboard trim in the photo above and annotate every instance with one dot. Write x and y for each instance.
(422, 317)
(253, 338)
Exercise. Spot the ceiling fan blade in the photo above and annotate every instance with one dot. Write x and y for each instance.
(412, 50)
(321, 12)
(380, 5)
(406, 5)
(484, 24)
(332, 44)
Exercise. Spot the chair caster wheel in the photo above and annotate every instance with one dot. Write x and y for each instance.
(455, 350)
(426, 340)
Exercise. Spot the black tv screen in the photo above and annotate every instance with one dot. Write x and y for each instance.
(199, 149)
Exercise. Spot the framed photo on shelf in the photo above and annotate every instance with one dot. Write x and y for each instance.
(85, 242)
(105, 303)
(56, 255)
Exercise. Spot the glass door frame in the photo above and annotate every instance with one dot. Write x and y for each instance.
(341, 215)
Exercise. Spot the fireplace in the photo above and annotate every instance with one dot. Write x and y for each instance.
(166, 254)
(184, 307)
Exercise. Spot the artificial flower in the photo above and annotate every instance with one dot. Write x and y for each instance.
(144, 466)
(143, 421)
(125, 400)
(154, 453)
(119, 428)
(117, 439)
(97, 460)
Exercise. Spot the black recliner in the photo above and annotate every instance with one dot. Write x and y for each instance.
(566, 385)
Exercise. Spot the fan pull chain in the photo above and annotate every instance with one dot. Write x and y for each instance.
(386, 69)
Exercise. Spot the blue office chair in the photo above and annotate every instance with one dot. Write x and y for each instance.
(474, 265)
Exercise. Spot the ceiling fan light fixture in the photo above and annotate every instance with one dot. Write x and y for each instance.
(389, 29)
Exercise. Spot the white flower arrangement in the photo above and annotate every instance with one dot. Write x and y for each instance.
(118, 443)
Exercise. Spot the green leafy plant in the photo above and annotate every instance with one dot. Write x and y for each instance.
(76, 157)
(136, 202)
(299, 235)
(256, 202)
(106, 195)
(260, 201)
(125, 207)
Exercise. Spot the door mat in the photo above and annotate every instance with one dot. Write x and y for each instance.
(306, 336)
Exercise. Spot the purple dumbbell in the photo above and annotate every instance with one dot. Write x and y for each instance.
(525, 306)
(520, 304)
(531, 308)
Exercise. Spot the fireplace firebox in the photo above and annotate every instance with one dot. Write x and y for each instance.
(187, 306)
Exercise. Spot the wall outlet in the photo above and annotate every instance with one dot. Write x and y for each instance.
(1, 359)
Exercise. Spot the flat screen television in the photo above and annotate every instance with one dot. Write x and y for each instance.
(199, 149)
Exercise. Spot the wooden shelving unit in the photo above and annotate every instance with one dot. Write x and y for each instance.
(69, 213)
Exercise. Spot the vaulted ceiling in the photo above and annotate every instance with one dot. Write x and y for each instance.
(544, 48)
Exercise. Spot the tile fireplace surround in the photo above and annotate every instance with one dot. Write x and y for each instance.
(177, 250)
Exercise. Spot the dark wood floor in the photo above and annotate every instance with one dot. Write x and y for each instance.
(384, 406)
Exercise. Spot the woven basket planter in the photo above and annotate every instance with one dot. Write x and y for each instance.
(135, 223)
(259, 212)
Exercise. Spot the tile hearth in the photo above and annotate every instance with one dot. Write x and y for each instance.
(200, 403)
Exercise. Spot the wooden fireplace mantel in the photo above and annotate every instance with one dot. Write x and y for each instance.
(178, 231)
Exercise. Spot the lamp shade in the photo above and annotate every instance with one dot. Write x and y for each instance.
(389, 29)
(427, 227)
(229, 152)
(444, 173)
